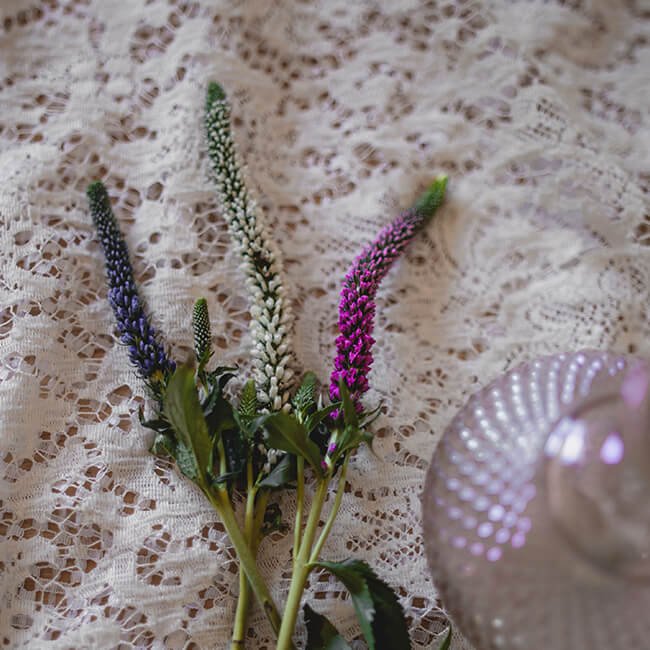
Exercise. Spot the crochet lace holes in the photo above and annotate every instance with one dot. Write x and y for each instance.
(642, 231)
(179, 640)
(154, 191)
(148, 558)
(149, 42)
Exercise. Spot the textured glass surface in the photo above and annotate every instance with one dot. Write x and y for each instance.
(537, 507)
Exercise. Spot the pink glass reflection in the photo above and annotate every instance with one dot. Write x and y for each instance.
(560, 519)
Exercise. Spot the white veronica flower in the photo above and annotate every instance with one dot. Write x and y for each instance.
(272, 320)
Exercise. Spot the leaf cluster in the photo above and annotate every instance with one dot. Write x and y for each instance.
(212, 442)
(197, 427)
(378, 611)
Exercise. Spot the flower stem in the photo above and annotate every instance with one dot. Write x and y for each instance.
(300, 497)
(301, 567)
(220, 501)
(335, 509)
(239, 628)
(258, 521)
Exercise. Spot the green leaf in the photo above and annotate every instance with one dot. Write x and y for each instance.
(303, 400)
(378, 611)
(163, 445)
(321, 634)
(219, 417)
(211, 385)
(225, 370)
(272, 520)
(318, 416)
(249, 428)
(219, 377)
(225, 478)
(236, 451)
(350, 415)
(367, 419)
(183, 411)
(158, 424)
(248, 401)
(350, 438)
(287, 434)
(446, 642)
(282, 474)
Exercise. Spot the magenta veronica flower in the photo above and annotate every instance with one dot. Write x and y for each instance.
(357, 306)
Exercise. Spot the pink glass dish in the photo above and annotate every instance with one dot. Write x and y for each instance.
(536, 507)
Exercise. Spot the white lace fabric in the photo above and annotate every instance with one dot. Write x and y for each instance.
(537, 111)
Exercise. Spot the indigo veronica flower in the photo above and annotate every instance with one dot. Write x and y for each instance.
(357, 306)
(145, 352)
(272, 320)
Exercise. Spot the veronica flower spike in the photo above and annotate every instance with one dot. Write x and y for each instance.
(357, 306)
(186, 396)
(385, 628)
(272, 320)
(145, 351)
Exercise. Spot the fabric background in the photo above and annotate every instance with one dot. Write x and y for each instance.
(344, 111)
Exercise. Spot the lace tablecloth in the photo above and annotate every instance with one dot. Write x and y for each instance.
(537, 111)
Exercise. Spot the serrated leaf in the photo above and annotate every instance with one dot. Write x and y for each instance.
(158, 424)
(378, 610)
(318, 416)
(350, 416)
(321, 634)
(163, 445)
(250, 428)
(282, 474)
(248, 401)
(446, 642)
(287, 434)
(351, 438)
(182, 410)
(304, 398)
(367, 419)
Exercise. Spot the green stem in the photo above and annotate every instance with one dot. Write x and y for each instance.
(258, 521)
(299, 500)
(335, 509)
(301, 568)
(220, 501)
(239, 628)
(222, 457)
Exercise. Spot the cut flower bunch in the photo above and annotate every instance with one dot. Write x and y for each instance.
(277, 433)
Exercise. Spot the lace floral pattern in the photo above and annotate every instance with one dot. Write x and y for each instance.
(343, 112)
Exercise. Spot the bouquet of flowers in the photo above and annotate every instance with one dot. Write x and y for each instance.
(278, 430)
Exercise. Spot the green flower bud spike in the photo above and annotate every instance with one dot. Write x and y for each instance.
(202, 334)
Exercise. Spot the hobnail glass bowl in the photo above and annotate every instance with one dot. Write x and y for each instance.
(536, 507)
